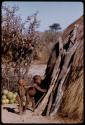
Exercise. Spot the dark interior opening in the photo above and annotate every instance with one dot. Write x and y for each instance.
(66, 46)
(62, 62)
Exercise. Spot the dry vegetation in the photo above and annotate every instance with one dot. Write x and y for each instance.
(22, 45)
(19, 45)
(47, 41)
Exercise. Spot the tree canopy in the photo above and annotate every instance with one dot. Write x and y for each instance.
(55, 27)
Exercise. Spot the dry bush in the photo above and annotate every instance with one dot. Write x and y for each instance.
(19, 44)
(47, 41)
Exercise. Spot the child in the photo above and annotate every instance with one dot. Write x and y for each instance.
(21, 95)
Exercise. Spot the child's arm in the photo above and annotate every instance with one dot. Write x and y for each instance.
(27, 86)
(19, 90)
(40, 89)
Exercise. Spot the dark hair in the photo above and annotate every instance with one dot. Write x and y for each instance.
(36, 77)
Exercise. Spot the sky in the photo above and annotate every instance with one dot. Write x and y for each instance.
(63, 13)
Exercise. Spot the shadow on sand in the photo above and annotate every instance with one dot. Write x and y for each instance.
(11, 110)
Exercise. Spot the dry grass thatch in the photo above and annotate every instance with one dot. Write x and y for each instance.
(72, 102)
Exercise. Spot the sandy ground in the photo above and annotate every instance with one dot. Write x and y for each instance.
(38, 69)
(9, 116)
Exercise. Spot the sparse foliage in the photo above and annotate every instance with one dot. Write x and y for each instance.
(19, 40)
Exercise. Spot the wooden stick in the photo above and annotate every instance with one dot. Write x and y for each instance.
(39, 100)
(60, 93)
(50, 104)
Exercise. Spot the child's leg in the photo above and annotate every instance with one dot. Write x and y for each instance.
(20, 104)
(24, 103)
(33, 103)
(27, 101)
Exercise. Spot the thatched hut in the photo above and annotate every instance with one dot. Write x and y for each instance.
(64, 76)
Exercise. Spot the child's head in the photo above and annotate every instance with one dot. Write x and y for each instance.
(37, 79)
(22, 82)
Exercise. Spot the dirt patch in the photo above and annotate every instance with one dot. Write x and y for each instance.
(8, 116)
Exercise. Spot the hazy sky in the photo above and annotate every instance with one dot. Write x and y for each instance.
(51, 12)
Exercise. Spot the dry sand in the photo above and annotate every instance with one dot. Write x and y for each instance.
(8, 116)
